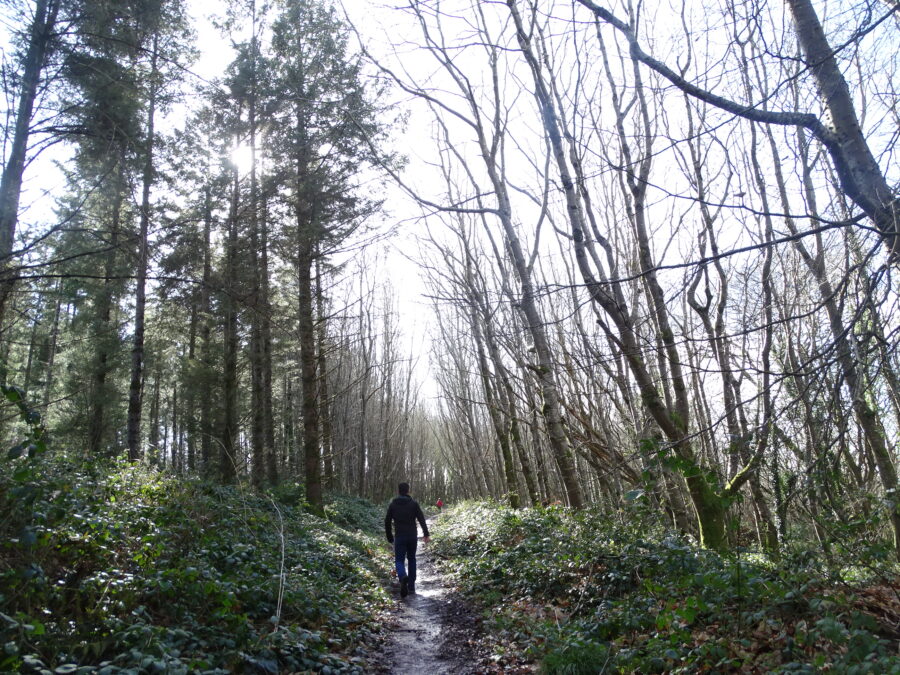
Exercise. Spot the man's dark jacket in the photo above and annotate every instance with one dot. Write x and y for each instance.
(404, 511)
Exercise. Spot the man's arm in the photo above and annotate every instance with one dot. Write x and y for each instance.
(387, 526)
(421, 518)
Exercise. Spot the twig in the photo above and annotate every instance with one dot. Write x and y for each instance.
(281, 570)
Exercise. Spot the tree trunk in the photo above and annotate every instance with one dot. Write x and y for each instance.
(265, 337)
(861, 177)
(312, 459)
(102, 321)
(322, 366)
(153, 439)
(673, 421)
(177, 459)
(500, 431)
(206, 423)
(230, 431)
(135, 390)
(289, 455)
(192, 389)
(51, 355)
(872, 429)
(39, 39)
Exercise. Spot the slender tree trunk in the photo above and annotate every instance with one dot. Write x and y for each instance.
(51, 355)
(673, 421)
(365, 340)
(153, 439)
(502, 438)
(102, 322)
(39, 45)
(866, 416)
(544, 484)
(206, 423)
(26, 377)
(312, 459)
(265, 337)
(257, 314)
(177, 459)
(191, 404)
(289, 450)
(515, 433)
(164, 447)
(135, 390)
(322, 366)
(769, 535)
(231, 431)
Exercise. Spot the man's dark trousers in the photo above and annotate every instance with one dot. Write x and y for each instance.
(405, 549)
(400, 529)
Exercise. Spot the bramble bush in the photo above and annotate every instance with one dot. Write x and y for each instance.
(583, 592)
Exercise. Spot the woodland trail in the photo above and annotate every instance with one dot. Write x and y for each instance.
(431, 631)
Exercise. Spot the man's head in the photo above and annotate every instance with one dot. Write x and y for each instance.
(403, 488)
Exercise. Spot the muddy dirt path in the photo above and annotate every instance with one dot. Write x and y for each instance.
(431, 631)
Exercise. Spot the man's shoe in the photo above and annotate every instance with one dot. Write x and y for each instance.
(404, 587)
(411, 588)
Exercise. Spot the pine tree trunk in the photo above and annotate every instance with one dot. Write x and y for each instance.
(51, 355)
(135, 390)
(230, 431)
(290, 451)
(153, 439)
(265, 336)
(102, 321)
(258, 316)
(206, 424)
(191, 403)
(26, 377)
(177, 458)
(322, 366)
(312, 459)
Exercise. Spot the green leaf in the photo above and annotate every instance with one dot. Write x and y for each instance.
(16, 451)
(13, 394)
(28, 536)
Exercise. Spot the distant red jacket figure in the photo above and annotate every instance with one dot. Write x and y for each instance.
(440, 504)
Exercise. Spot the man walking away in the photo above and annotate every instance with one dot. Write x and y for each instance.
(404, 511)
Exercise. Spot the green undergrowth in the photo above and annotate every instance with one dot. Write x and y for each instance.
(121, 569)
(579, 592)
